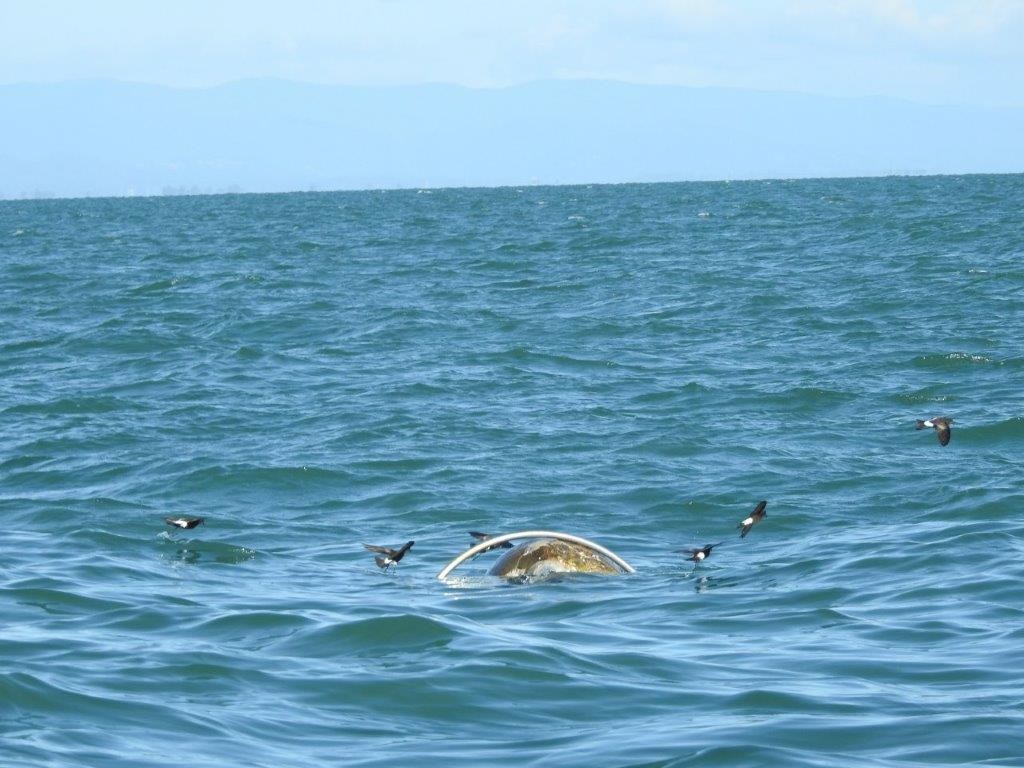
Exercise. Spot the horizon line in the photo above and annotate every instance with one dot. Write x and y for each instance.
(44, 197)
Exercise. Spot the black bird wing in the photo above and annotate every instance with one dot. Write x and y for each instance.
(485, 536)
(943, 433)
(382, 550)
(396, 556)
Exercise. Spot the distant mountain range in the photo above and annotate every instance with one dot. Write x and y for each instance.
(114, 138)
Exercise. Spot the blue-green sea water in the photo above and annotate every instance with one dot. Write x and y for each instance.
(635, 364)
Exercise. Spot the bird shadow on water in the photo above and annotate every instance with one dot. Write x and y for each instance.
(703, 582)
(196, 551)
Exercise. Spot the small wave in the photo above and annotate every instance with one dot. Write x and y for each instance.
(546, 362)
(926, 395)
(663, 396)
(157, 286)
(26, 345)
(20, 462)
(537, 246)
(1011, 429)
(247, 624)
(801, 398)
(274, 477)
(373, 637)
(73, 406)
(58, 601)
(951, 360)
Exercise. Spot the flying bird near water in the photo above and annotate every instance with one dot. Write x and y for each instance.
(185, 522)
(941, 425)
(484, 537)
(701, 554)
(753, 518)
(387, 556)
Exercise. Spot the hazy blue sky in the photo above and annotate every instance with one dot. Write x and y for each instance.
(933, 51)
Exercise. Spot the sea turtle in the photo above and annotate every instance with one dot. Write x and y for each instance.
(542, 555)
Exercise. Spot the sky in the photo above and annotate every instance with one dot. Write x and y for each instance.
(929, 51)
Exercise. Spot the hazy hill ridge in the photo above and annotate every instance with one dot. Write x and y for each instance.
(114, 138)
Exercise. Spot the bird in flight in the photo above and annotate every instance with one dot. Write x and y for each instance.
(484, 537)
(386, 556)
(753, 518)
(701, 554)
(941, 425)
(185, 522)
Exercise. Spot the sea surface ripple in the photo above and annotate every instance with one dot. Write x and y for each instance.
(637, 364)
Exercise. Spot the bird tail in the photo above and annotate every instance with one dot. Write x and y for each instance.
(920, 424)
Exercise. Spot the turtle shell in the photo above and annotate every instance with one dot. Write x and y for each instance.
(543, 558)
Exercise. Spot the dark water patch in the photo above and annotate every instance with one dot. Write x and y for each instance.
(762, 702)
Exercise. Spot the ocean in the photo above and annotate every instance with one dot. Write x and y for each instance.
(635, 364)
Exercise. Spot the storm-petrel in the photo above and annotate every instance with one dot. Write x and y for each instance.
(390, 556)
(185, 522)
(753, 518)
(484, 537)
(941, 424)
(698, 555)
